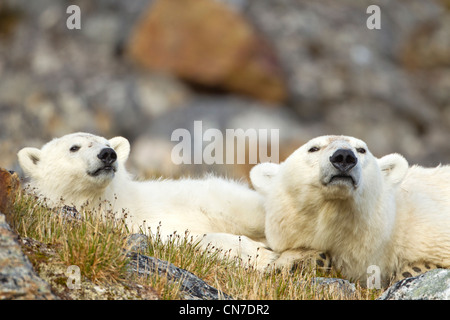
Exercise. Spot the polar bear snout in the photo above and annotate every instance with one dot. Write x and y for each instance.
(342, 169)
(343, 160)
(108, 164)
(108, 156)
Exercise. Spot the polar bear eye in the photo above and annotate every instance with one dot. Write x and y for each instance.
(314, 149)
(74, 148)
(361, 150)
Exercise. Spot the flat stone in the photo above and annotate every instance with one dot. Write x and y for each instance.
(192, 287)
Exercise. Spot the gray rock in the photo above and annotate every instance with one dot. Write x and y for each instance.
(335, 285)
(138, 242)
(17, 277)
(192, 287)
(432, 285)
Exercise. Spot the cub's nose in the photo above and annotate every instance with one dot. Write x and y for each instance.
(343, 160)
(108, 156)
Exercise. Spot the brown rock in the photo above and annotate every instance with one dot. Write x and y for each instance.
(205, 42)
(9, 185)
(446, 4)
(428, 46)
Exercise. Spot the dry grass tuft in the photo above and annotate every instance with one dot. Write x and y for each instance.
(94, 242)
(97, 243)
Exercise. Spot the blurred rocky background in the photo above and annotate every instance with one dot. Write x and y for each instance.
(141, 69)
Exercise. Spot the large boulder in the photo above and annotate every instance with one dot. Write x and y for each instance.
(206, 42)
(432, 285)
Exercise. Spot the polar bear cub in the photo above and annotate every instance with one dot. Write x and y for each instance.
(368, 214)
(82, 168)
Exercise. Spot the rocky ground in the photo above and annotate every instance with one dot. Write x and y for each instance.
(143, 68)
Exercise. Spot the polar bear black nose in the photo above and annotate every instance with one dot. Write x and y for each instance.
(107, 155)
(343, 160)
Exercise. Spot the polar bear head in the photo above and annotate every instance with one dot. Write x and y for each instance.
(329, 192)
(339, 166)
(332, 195)
(76, 167)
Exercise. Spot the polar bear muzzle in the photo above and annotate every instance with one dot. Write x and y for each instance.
(108, 158)
(343, 160)
(342, 169)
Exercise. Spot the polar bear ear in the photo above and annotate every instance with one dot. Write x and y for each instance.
(122, 148)
(28, 160)
(262, 174)
(394, 167)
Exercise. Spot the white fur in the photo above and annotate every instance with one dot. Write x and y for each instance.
(224, 212)
(392, 215)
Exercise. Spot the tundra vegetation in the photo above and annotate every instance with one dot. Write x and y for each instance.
(98, 243)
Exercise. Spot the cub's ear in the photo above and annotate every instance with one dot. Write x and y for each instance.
(122, 148)
(394, 167)
(28, 160)
(262, 175)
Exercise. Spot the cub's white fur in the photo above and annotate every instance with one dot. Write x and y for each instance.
(223, 212)
(361, 210)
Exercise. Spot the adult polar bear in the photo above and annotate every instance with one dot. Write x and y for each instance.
(334, 196)
(83, 168)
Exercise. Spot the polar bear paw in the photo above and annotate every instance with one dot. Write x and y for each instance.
(323, 261)
(414, 269)
(298, 259)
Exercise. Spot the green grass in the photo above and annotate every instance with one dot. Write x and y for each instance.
(97, 243)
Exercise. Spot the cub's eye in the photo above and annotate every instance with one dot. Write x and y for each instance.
(314, 149)
(74, 148)
(361, 150)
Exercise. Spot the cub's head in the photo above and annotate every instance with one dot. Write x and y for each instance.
(338, 167)
(74, 166)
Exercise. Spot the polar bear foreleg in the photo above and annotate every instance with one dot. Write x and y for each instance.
(303, 258)
(250, 252)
